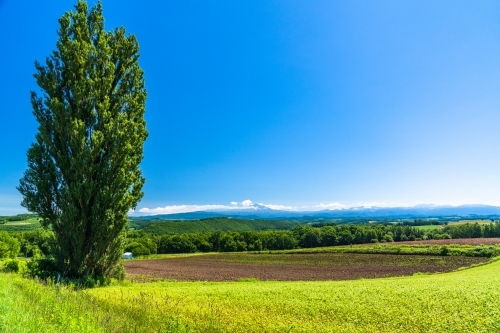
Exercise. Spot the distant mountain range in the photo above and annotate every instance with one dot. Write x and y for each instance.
(263, 212)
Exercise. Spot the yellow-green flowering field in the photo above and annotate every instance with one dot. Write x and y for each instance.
(467, 300)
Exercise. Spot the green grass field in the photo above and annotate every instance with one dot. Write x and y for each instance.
(23, 225)
(461, 222)
(209, 225)
(428, 227)
(462, 301)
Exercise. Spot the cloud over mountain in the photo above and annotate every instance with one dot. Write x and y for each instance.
(329, 210)
(233, 206)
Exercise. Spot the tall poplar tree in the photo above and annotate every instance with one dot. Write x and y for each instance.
(83, 171)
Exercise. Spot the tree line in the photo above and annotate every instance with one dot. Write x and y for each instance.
(421, 222)
(304, 236)
(473, 230)
(32, 244)
(40, 242)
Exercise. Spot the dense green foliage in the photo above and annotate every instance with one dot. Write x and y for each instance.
(213, 224)
(299, 236)
(83, 171)
(421, 222)
(36, 243)
(9, 246)
(473, 230)
(141, 243)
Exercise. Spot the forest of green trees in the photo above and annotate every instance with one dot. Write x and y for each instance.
(169, 237)
(300, 236)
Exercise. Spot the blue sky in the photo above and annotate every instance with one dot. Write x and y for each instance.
(293, 103)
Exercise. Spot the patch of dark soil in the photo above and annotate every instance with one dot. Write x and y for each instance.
(292, 267)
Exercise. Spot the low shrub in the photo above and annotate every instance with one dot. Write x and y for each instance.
(88, 281)
(15, 266)
(444, 250)
(42, 268)
(118, 272)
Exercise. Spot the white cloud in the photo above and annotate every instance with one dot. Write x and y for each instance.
(278, 207)
(175, 209)
(182, 209)
(331, 206)
(338, 205)
(247, 203)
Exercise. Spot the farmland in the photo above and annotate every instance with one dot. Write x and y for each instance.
(428, 227)
(460, 241)
(460, 301)
(479, 221)
(404, 286)
(20, 223)
(293, 267)
(463, 301)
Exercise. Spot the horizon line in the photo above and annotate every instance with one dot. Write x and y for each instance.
(249, 206)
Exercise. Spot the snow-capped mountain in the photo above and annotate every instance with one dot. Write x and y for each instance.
(261, 211)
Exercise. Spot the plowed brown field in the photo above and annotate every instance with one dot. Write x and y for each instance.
(292, 267)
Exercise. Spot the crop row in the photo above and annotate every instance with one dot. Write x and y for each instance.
(292, 267)
(487, 251)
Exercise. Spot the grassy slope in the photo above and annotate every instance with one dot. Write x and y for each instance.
(24, 225)
(29, 307)
(213, 224)
(461, 222)
(428, 227)
(463, 301)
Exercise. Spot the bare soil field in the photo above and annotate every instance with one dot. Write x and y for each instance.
(292, 267)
